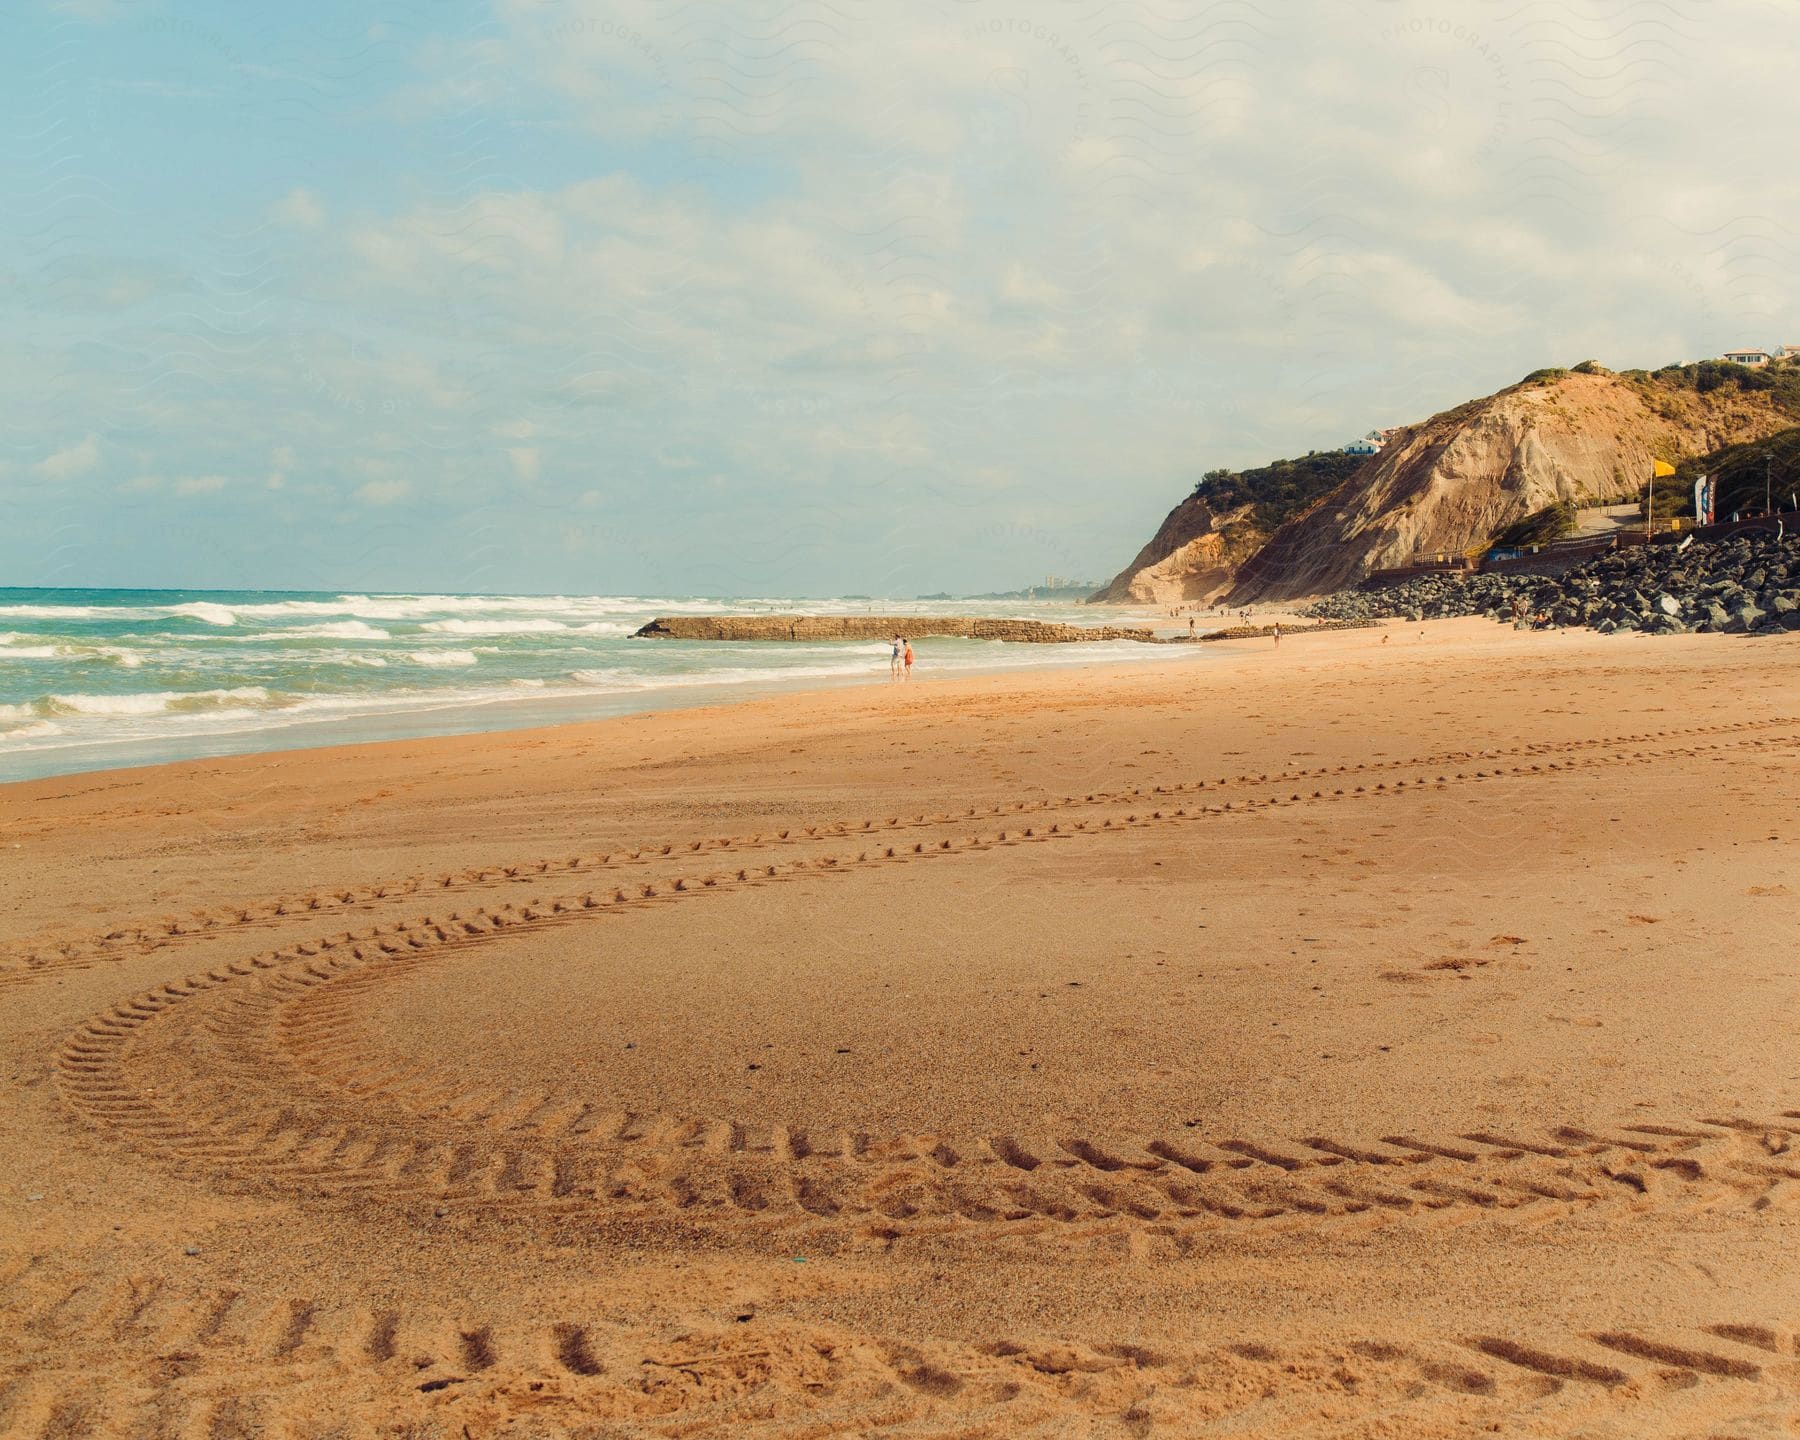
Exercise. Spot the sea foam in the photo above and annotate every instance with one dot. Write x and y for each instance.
(494, 627)
(158, 702)
(442, 657)
(206, 610)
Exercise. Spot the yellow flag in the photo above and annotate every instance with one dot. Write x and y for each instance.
(1663, 467)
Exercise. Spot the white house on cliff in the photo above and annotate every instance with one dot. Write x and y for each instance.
(1371, 444)
(1756, 359)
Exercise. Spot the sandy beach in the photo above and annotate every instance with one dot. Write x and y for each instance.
(1389, 1034)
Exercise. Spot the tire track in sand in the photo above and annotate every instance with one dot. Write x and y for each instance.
(147, 1356)
(278, 1100)
(258, 1082)
(25, 961)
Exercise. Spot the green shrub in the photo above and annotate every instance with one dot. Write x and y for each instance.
(1281, 489)
(1540, 527)
(1738, 475)
(1709, 375)
(1780, 380)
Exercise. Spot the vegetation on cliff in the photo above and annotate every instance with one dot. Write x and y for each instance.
(1781, 379)
(1744, 475)
(1280, 490)
(1540, 527)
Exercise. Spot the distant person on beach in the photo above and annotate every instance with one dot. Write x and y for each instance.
(894, 659)
(906, 656)
(1190, 627)
(1277, 633)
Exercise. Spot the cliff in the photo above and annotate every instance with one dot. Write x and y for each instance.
(1194, 556)
(1196, 553)
(881, 627)
(1449, 484)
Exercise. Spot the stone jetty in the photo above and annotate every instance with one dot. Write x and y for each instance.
(883, 627)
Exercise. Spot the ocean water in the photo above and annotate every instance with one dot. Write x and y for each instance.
(95, 678)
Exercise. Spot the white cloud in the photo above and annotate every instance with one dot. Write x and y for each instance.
(300, 208)
(527, 462)
(201, 484)
(71, 460)
(383, 492)
(1020, 286)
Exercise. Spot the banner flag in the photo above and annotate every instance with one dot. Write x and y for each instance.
(1703, 500)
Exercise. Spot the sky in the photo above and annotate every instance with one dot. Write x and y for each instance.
(813, 297)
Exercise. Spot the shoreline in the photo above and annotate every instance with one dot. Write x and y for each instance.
(362, 735)
(1227, 659)
(101, 678)
(504, 712)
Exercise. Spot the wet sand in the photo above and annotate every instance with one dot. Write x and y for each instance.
(1353, 1039)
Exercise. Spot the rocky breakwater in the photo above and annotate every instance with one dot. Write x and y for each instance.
(1748, 584)
(883, 627)
(1264, 632)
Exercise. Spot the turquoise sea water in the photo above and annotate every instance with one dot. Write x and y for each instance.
(93, 678)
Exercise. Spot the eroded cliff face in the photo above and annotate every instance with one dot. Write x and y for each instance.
(1192, 559)
(1448, 485)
